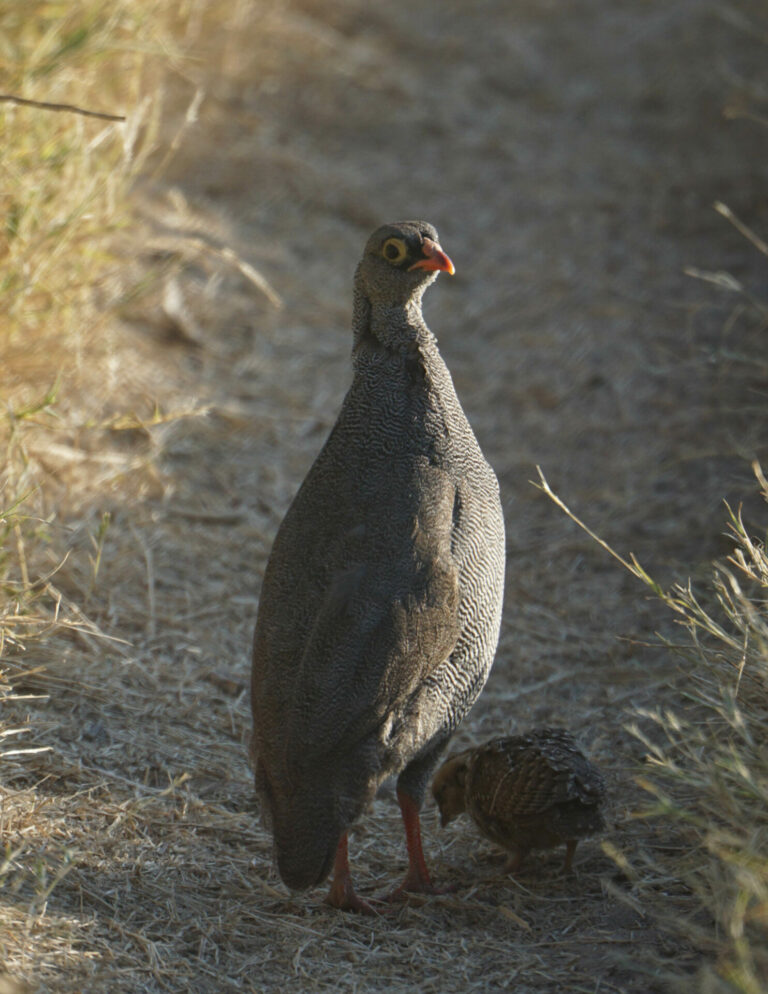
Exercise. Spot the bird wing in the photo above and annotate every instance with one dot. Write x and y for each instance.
(508, 779)
(340, 659)
(523, 777)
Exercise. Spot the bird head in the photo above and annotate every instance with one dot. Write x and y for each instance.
(400, 260)
(448, 787)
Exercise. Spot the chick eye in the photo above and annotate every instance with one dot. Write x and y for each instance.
(394, 250)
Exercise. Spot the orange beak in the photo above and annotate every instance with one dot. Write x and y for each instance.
(434, 259)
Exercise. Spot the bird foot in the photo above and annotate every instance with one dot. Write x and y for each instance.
(342, 896)
(414, 884)
(515, 860)
(570, 849)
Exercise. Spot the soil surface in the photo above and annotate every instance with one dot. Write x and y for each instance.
(570, 157)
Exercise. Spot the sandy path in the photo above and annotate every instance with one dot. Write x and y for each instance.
(569, 160)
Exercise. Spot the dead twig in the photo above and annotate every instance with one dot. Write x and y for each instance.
(62, 108)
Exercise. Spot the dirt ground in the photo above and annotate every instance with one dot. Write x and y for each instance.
(570, 156)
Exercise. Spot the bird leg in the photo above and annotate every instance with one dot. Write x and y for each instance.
(417, 878)
(515, 860)
(342, 893)
(570, 849)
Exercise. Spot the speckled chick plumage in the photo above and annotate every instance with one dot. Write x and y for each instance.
(533, 791)
(380, 606)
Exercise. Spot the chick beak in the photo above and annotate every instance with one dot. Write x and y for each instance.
(434, 259)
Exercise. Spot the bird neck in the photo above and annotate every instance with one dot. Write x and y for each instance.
(396, 327)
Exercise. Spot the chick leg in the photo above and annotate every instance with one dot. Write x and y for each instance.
(342, 893)
(570, 849)
(515, 860)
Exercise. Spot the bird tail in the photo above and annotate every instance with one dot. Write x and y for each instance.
(307, 823)
(306, 838)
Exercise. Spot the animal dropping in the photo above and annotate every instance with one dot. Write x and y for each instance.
(524, 792)
(380, 606)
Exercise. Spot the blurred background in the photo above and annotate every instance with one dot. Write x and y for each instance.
(174, 347)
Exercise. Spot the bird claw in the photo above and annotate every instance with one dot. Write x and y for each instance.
(354, 903)
(515, 861)
(343, 897)
(417, 886)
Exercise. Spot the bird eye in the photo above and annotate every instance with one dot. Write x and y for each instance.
(394, 250)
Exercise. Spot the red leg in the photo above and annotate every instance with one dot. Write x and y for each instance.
(417, 878)
(570, 849)
(515, 860)
(342, 893)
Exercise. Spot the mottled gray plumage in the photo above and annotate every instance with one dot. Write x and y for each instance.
(380, 607)
(532, 791)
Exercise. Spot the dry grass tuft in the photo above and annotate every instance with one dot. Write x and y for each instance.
(65, 199)
(706, 767)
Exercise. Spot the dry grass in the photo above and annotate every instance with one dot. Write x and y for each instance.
(707, 769)
(708, 765)
(64, 203)
(163, 397)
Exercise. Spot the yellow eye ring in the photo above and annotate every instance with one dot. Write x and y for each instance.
(394, 250)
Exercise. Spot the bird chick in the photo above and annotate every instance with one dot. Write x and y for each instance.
(524, 792)
(449, 784)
